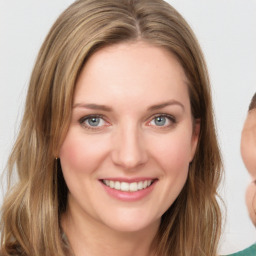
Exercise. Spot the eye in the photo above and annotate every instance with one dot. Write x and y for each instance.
(92, 122)
(162, 120)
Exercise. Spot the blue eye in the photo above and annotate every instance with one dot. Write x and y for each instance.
(162, 121)
(92, 122)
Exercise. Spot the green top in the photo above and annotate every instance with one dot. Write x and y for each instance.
(251, 251)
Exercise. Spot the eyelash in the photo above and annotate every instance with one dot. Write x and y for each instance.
(83, 120)
(171, 118)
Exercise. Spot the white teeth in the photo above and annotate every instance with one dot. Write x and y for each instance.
(140, 185)
(125, 186)
(128, 187)
(117, 185)
(133, 186)
(112, 184)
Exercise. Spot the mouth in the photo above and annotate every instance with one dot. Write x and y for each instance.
(128, 186)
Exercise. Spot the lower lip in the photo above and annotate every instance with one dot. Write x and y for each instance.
(129, 196)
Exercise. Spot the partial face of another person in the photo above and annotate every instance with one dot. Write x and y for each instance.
(126, 155)
(248, 151)
(248, 143)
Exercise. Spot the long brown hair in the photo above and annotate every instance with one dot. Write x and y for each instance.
(30, 223)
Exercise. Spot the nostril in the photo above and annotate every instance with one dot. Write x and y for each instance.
(129, 159)
(128, 146)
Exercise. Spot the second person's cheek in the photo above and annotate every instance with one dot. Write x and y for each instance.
(251, 201)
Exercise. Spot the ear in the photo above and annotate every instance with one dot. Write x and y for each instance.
(195, 137)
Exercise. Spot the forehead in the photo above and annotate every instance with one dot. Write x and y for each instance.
(129, 71)
(250, 122)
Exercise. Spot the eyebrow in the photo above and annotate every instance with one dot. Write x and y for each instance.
(165, 104)
(93, 106)
(109, 109)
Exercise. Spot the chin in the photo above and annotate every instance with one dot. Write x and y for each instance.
(129, 222)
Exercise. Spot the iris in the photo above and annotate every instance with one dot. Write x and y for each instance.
(160, 120)
(93, 121)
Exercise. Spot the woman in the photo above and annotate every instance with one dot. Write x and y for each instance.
(117, 151)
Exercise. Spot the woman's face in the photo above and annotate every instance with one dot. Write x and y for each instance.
(126, 155)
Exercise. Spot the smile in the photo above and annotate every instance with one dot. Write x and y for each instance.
(128, 187)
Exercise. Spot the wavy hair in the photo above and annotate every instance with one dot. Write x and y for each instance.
(30, 222)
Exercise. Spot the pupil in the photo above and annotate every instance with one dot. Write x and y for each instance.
(94, 121)
(160, 120)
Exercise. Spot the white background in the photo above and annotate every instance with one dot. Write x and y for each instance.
(226, 30)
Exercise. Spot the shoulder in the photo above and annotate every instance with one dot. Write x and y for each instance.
(251, 251)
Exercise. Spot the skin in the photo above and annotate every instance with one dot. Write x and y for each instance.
(126, 143)
(248, 152)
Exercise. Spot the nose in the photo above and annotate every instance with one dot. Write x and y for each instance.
(129, 150)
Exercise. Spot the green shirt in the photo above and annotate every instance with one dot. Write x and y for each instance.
(251, 251)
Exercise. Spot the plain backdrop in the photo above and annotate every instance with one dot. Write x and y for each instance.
(226, 30)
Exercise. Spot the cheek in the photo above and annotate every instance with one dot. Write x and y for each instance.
(251, 201)
(79, 153)
(173, 153)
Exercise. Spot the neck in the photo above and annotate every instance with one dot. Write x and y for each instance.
(89, 237)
